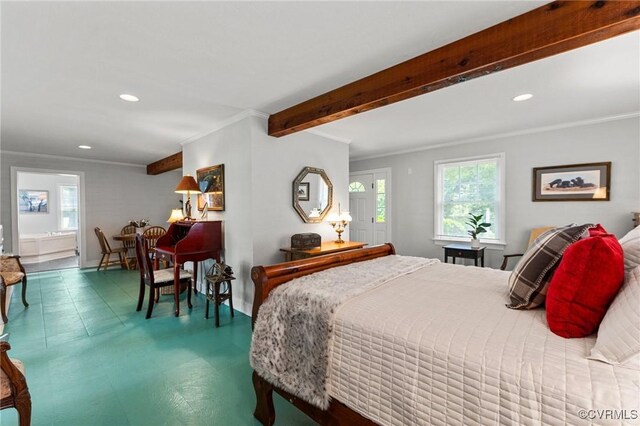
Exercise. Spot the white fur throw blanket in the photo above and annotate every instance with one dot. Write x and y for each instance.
(290, 344)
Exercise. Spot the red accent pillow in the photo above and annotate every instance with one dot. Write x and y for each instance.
(597, 230)
(585, 283)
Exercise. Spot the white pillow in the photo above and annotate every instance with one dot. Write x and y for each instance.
(631, 246)
(618, 341)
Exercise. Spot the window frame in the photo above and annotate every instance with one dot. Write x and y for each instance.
(438, 238)
(61, 206)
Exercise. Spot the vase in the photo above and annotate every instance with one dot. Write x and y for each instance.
(475, 243)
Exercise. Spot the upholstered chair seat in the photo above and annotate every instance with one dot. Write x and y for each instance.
(14, 392)
(166, 275)
(5, 383)
(11, 278)
(11, 273)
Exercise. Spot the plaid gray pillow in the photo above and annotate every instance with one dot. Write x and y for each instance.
(529, 280)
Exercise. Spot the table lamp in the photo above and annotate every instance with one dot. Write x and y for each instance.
(176, 215)
(187, 186)
(339, 222)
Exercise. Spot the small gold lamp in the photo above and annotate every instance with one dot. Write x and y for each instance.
(187, 186)
(339, 222)
(176, 215)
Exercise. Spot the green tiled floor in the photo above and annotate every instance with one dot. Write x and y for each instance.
(91, 359)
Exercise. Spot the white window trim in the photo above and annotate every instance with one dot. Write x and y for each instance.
(492, 244)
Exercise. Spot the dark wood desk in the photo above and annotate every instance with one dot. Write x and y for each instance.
(189, 242)
(325, 248)
(464, 251)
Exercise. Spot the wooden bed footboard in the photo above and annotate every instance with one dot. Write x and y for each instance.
(265, 279)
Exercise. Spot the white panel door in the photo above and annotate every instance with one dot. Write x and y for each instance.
(361, 198)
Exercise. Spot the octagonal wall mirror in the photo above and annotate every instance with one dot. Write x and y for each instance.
(312, 194)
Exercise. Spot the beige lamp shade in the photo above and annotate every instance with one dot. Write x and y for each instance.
(187, 185)
(176, 215)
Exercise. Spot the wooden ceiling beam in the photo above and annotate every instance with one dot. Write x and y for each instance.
(548, 30)
(167, 164)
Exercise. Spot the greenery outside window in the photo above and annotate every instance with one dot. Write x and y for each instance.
(381, 201)
(356, 187)
(68, 207)
(469, 185)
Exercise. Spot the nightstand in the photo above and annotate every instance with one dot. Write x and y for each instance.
(464, 251)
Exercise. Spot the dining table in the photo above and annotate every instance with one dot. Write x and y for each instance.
(127, 238)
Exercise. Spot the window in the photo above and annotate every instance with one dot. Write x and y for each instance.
(470, 185)
(356, 187)
(68, 207)
(381, 201)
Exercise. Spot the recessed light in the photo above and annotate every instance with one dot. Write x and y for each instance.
(523, 97)
(129, 98)
(84, 147)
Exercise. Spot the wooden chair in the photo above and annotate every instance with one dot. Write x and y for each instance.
(155, 279)
(218, 275)
(107, 251)
(152, 234)
(535, 233)
(129, 245)
(14, 391)
(11, 273)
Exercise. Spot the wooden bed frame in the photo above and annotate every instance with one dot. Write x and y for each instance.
(265, 279)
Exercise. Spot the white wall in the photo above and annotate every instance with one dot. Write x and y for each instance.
(230, 146)
(615, 141)
(35, 223)
(114, 195)
(276, 163)
(259, 170)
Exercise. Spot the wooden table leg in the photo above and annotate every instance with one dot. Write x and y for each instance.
(176, 286)
(216, 298)
(195, 277)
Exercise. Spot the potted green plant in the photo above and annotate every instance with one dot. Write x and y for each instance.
(477, 227)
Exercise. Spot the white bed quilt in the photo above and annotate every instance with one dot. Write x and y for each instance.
(439, 347)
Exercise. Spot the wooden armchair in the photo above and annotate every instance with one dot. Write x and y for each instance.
(156, 279)
(129, 245)
(11, 273)
(535, 233)
(152, 234)
(107, 251)
(13, 385)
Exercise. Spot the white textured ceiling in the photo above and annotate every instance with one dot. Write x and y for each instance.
(196, 64)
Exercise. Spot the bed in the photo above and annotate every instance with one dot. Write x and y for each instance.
(436, 345)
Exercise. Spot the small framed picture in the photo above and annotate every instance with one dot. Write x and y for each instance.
(33, 201)
(211, 183)
(574, 182)
(303, 191)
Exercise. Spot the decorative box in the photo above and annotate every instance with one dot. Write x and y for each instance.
(305, 241)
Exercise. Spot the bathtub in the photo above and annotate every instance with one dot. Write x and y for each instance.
(36, 248)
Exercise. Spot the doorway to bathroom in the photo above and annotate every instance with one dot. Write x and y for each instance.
(46, 219)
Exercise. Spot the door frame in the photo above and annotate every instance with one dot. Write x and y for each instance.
(388, 185)
(82, 239)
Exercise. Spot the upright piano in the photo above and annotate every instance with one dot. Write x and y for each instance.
(189, 241)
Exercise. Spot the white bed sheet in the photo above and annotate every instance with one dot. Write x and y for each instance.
(439, 346)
